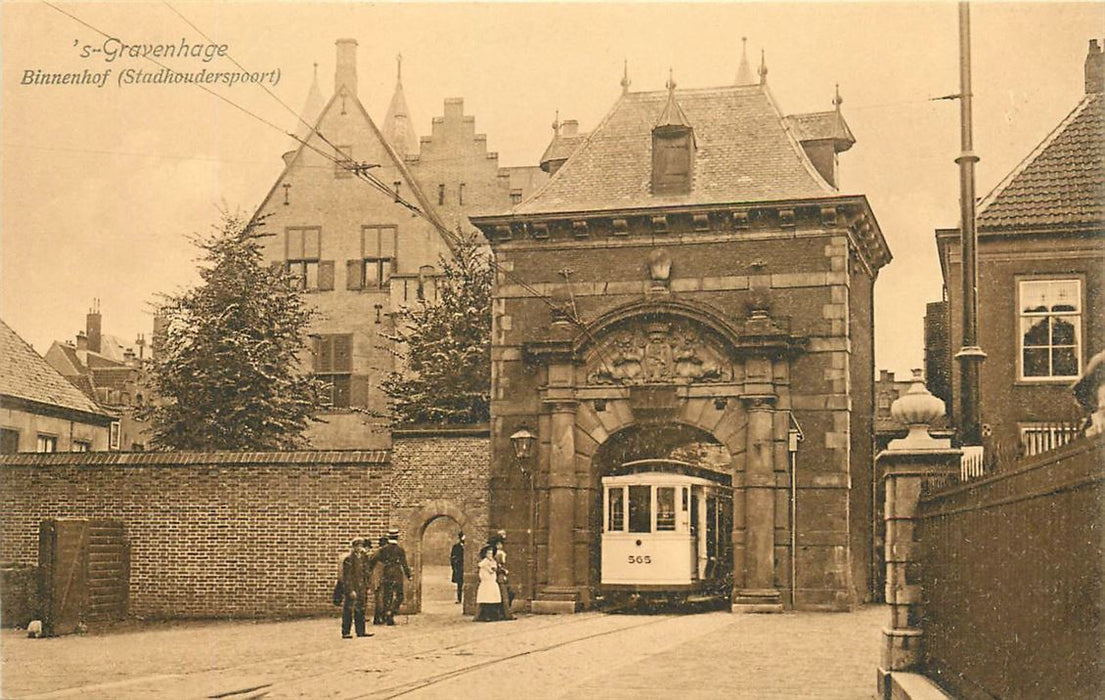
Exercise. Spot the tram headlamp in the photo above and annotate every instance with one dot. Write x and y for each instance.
(523, 442)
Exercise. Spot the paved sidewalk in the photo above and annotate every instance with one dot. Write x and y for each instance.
(442, 654)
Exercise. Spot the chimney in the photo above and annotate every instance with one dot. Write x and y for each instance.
(883, 375)
(345, 70)
(569, 127)
(1095, 68)
(93, 325)
(82, 340)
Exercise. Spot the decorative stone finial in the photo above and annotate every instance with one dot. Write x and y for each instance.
(625, 76)
(670, 85)
(763, 68)
(917, 408)
(556, 124)
(837, 99)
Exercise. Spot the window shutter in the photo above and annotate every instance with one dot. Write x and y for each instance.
(343, 353)
(354, 274)
(324, 349)
(326, 276)
(358, 391)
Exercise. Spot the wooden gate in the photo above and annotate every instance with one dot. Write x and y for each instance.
(85, 567)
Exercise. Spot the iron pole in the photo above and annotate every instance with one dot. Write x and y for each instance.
(970, 355)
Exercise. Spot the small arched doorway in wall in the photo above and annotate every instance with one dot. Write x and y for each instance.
(439, 593)
(659, 440)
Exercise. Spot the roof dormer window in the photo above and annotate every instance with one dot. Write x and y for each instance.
(673, 149)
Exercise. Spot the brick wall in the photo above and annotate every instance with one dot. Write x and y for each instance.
(440, 473)
(251, 534)
(226, 534)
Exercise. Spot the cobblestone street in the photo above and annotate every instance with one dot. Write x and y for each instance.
(442, 654)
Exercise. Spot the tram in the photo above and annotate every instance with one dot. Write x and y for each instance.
(666, 531)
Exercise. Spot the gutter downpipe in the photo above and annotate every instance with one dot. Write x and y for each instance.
(794, 437)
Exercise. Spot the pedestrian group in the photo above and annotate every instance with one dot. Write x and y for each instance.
(380, 575)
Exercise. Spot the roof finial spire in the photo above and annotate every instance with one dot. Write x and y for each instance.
(837, 99)
(744, 71)
(316, 70)
(556, 124)
(625, 76)
(671, 81)
(763, 68)
(399, 68)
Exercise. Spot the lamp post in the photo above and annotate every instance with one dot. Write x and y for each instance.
(524, 443)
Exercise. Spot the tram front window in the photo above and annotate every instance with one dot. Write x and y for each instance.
(617, 511)
(640, 509)
(665, 508)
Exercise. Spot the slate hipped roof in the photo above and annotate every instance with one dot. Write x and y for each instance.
(1061, 183)
(25, 375)
(745, 152)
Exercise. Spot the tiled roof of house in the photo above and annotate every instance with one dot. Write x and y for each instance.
(745, 152)
(25, 375)
(1061, 183)
(561, 147)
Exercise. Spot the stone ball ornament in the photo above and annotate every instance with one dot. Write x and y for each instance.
(917, 408)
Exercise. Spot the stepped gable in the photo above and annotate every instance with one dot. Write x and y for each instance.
(25, 375)
(746, 151)
(1061, 183)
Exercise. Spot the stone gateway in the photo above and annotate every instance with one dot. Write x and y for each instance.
(709, 305)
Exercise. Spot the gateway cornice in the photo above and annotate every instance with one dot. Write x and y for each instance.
(851, 214)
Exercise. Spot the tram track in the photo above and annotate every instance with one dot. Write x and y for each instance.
(415, 686)
(556, 622)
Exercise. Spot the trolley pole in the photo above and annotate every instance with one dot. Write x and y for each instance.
(970, 355)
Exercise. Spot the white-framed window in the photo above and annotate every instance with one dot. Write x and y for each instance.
(46, 443)
(81, 446)
(302, 247)
(1050, 329)
(334, 367)
(1037, 438)
(378, 246)
(113, 435)
(343, 162)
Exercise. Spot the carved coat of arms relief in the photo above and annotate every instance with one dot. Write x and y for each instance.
(657, 353)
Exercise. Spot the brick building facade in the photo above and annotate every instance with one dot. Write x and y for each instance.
(41, 411)
(1041, 272)
(701, 281)
(357, 252)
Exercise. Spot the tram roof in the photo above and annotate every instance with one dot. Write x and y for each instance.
(671, 466)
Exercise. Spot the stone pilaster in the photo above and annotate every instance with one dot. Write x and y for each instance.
(907, 464)
(561, 594)
(758, 592)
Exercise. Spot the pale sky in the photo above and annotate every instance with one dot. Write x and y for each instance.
(101, 186)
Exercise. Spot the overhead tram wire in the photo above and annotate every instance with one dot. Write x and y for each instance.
(336, 161)
(361, 171)
(297, 115)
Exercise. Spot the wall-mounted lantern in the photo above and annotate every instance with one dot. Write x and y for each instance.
(523, 442)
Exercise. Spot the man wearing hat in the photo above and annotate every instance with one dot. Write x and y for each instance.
(355, 570)
(393, 562)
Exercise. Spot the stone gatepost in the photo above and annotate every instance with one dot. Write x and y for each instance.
(907, 463)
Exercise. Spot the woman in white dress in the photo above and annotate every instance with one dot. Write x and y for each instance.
(488, 598)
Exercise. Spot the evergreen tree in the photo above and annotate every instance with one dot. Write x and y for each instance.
(445, 347)
(225, 370)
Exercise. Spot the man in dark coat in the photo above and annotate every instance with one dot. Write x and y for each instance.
(377, 586)
(456, 561)
(354, 578)
(393, 561)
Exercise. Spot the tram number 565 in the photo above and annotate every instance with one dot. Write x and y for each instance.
(640, 559)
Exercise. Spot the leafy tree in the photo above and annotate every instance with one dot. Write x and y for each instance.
(445, 346)
(225, 369)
